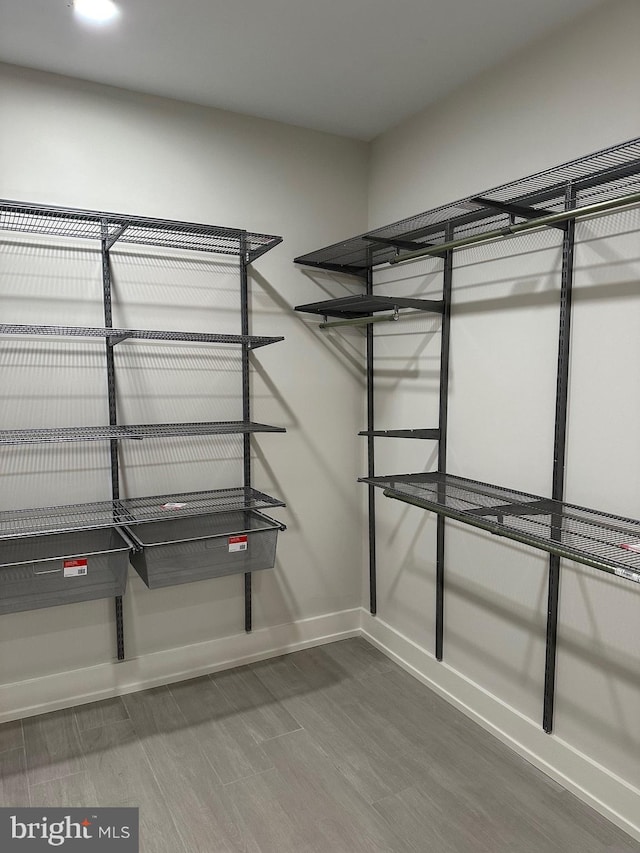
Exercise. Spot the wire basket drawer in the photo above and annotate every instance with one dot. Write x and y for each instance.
(62, 568)
(183, 550)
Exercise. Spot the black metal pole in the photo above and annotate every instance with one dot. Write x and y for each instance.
(447, 277)
(246, 408)
(113, 412)
(559, 454)
(371, 466)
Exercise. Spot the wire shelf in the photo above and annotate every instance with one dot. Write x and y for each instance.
(592, 178)
(133, 431)
(144, 231)
(90, 516)
(607, 542)
(402, 433)
(360, 305)
(117, 335)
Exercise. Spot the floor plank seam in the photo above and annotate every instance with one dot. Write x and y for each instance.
(281, 735)
(249, 776)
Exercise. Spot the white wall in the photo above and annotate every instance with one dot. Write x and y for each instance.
(569, 95)
(70, 143)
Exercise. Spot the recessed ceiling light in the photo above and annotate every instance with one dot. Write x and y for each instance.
(96, 11)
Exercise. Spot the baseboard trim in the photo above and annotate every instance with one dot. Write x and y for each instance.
(607, 793)
(90, 684)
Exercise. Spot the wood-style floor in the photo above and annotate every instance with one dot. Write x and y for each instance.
(330, 750)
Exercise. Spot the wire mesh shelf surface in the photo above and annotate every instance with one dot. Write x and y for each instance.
(600, 540)
(131, 432)
(591, 177)
(402, 433)
(252, 341)
(361, 305)
(145, 231)
(99, 514)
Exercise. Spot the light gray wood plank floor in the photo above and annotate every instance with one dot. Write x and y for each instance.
(330, 750)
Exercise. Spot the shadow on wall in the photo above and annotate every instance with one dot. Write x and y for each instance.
(349, 355)
(618, 667)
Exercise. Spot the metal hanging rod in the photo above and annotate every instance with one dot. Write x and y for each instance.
(540, 222)
(362, 321)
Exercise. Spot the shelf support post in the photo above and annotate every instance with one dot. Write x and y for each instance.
(447, 278)
(371, 465)
(246, 406)
(559, 454)
(113, 413)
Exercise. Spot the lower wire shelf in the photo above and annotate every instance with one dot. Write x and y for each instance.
(91, 516)
(607, 542)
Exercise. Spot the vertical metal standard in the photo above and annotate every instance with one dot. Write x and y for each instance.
(371, 467)
(447, 277)
(559, 448)
(113, 414)
(246, 406)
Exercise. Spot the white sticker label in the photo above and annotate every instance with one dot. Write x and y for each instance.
(238, 543)
(631, 546)
(173, 506)
(630, 576)
(74, 568)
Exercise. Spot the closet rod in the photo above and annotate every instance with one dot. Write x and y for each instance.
(361, 321)
(563, 216)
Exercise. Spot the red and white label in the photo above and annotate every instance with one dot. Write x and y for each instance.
(173, 506)
(238, 543)
(629, 575)
(75, 568)
(632, 546)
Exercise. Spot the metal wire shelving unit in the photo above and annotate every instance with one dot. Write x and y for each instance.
(66, 224)
(594, 185)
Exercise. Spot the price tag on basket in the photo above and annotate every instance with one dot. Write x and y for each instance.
(75, 568)
(238, 543)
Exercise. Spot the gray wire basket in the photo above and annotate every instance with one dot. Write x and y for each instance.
(62, 568)
(183, 550)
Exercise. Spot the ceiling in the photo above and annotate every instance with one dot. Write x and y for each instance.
(352, 67)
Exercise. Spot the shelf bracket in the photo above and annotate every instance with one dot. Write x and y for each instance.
(113, 340)
(114, 236)
(394, 243)
(520, 210)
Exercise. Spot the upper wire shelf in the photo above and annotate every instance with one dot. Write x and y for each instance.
(130, 431)
(607, 542)
(118, 335)
(144, 231)
(91, 516)
(614, 170)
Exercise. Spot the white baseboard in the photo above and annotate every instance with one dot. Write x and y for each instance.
(608, 794)
(90, 684)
